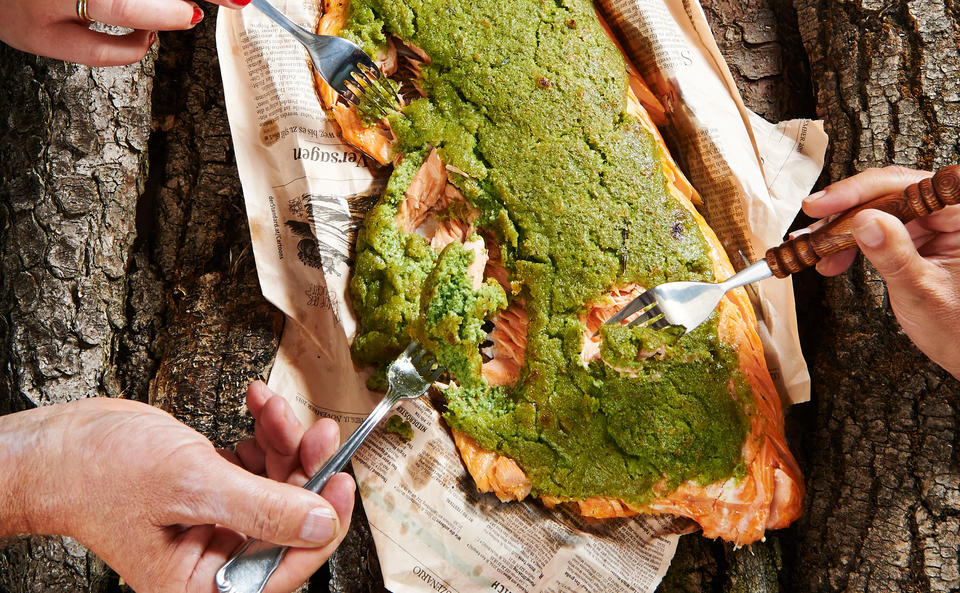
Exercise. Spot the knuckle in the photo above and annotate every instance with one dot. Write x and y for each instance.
(268, 521)
(99, 55)
(897, 266)
(898, 172)
(922, 290)
(124, 11)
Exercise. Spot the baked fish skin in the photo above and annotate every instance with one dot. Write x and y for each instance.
(529, 149)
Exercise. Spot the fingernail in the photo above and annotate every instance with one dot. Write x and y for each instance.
(152, 38)
(869, 233)
(197, 15)
(241, 2)
(318, 526)
(814, 197)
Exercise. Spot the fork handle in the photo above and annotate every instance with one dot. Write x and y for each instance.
(918, 199)
(350, 446)
(281, 19)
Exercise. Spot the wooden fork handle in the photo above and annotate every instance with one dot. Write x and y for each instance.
(919, 199)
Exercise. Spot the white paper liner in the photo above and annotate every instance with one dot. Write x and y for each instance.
(305, 191)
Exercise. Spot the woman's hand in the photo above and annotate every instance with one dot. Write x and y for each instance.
(159, 504)
(53, 28)
(920, 261)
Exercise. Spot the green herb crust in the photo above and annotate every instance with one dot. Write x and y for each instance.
(400, 427)
(452, 312)
(527, 100)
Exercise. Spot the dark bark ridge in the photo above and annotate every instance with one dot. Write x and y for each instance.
(73, 144)
(882, 473)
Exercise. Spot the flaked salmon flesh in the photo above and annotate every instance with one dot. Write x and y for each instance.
(739, 510)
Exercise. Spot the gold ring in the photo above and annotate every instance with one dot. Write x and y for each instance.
(82, 11)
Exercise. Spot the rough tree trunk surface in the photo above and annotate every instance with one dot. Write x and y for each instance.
(127, 271)
(73, 165)
(882, 470)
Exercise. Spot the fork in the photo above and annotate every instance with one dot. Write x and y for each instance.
(340, 62)
(688, 304)
(409, 377)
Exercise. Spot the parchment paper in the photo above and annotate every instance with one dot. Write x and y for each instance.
(306, 191)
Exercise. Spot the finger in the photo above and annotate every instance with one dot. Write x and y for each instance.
(218, 492)
(278, 428)
(860, 188)
(230, 456)
(299, 564)
(76, 43)
(319, 444)
(231, 4)
(252, 457)
(887, 244)
(192, 542)
(339, 492)
(833, 265)
(257, 395)
(278, 432)
(941, 221)
(168, 15)
(221, 546)
(946, 245)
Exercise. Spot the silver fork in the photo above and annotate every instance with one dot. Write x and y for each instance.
(688, 304)
(409, 377)
(340, 62)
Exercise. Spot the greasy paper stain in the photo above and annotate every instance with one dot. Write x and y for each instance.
(269, 132)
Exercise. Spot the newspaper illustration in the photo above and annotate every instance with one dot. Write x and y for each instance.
(306, 192)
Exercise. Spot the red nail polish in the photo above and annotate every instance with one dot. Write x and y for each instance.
(197, 16)
(241, 2)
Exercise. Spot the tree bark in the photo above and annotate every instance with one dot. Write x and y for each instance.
(73, 144)
(883, 511)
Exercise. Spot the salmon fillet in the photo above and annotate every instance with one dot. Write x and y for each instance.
(767, 494)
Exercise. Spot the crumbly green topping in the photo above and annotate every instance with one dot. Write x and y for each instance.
(452, 313)
(400, 427)
(526, 99)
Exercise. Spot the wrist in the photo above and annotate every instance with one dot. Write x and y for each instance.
(25, 498)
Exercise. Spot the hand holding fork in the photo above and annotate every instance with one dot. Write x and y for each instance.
(688, 304)
(407, 378)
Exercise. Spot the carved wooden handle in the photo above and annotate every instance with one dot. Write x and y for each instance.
(917, 200)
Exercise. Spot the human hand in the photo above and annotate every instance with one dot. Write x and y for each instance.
(53, 28)
(920, 262)
(160, 505)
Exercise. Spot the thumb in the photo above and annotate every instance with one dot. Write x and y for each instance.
(262, 508)
(887, 244)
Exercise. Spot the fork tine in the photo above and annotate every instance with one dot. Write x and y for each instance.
(350, 97)
(418, 356)
(434, 375)
(360, 76)
(643, 300)
(353, 88)
(660, 323)
(651, 315)
(383, 97)
(408, 352)
(428, 365)
(359, 84)
(374, 81)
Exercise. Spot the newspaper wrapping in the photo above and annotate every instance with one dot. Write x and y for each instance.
(306, 192)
